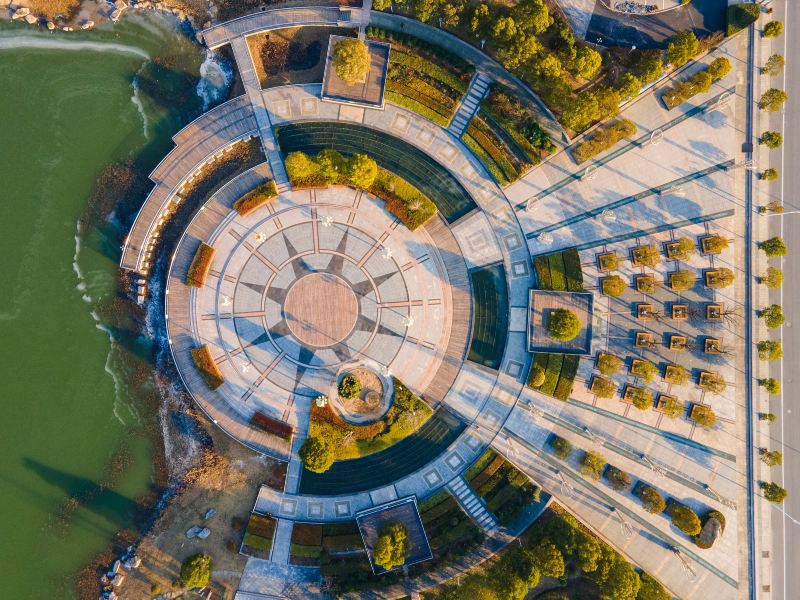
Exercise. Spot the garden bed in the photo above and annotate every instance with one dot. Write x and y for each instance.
(422, 77)
(505, 489)
(451, 533)
(514, 121)
(273, 426)
(293, 55)
(255, 198)
(313, 544)
(204, 362)
(258, 537)
(201, 263)
(350, 440)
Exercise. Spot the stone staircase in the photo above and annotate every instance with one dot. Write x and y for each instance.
(471, 504)
(470, 103)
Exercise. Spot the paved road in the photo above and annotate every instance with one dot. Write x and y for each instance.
(615, 29)
(785, 433)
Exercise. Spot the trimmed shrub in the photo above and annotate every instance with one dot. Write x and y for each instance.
(773, 386)
(685, 519)
(769, 350)
(652, 501)
(617, 478)
(604, 138)
(683, 279)
(561, 447)
(200, 265)
(349, 387)
(771, 139)
(613, 285)
(773, 492)
(273, 426)
(317, 454)
(774, 246)
(772, 29)
(719, 67)
(769, 174)
(255, 198)
(208, 367)
(536, 377)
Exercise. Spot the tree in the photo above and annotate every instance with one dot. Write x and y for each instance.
(683, 249)
(773, 278)
(628, 86)
(547, 66)
(561, 447)
(587, 62)
(773, 316)
(300, 166)
(537, 375)
(450, 14)
(769, 350)
(641, 398)
(381, 4)
(773, 492)
(647, 255)
(349, 387)
(480, 20)
(774, 246)
(673, 407)
(651, 588)
(714, 244)
(608, 364)
(685, 519)
(721, 278)
(682, 48)
(607, 101)
(718, 68)
(771, 418)
(425, 10)
(274, 55)
(713, 382)
(549, 558)
(652, 501)
(678, 375)
(700, 83)
(361, 170)
(351, 60)
(773, 386)
(603, 388)
(520, 51)
(774, 65)
(769, 174)
(393, 547)
(532, 16)
(613, 285)
(683, 279)
(196, 571)
(771, 458)
(704, 416)
(773, 29)
(592, 464)
(580, 111)
(772, 100)
(649, 66)
(317, 454)
(773, 206)
(645, 370)
(504, 29)
(771, 139)
(563, 325)
(617, 478)
(622, 582)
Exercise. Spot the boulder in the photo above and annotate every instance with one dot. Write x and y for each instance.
(210, 513)
(711, 531)
(204, 533)
(194, 532)
(132, 562)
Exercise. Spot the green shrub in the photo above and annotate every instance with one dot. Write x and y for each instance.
(255, 198)
(774, 246)
(536, 377)
(604, 138)
(771, 139)
(563, 324)
(566, 380)
(592, 464)
(772, 100)
(769, 174)
(196, 571)
(644, 369)
(685, 519)
(773, 492)
(773, 386)
(608, 364)
(561, 447)
(741, 16)
(719, 68)
(542, 267)
(613, 285)
(652, 501)
(552, 373)
(704, 416)
(208, 368)
(317, 454)
(349, 387)
(200, 265)
(617, 478)
(603, 388)
(641, 398)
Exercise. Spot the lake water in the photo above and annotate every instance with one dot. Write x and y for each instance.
(68, 108)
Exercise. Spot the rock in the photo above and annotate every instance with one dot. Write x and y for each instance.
(116, 567)
(204, 533)
(193, 532)
(117, 580)
(711, 531)
(132, 562)
(21, 13)
(210, 513)
(31, 19)
(51, 26)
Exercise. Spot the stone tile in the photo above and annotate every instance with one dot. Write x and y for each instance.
(513, 368)
(342, 508)
(288, 507)
(401, 122)
(314, 509)
(351, 113)
(454, 461)
(282, 108)
(432, 478)
(309, 107)
(425, 136)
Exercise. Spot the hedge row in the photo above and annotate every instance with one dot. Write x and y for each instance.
(493, 145)
(208, 367)
(542, 267)
(273, 426)
(200, 265)
(417, 107)
(487, 161)
(558, 276)
(505, 489)
(560, 271)
(255, 198)
(559, 373)
(566, 379)
(573, 270)
(551, 374)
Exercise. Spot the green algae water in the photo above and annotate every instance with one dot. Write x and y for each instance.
(69, 105)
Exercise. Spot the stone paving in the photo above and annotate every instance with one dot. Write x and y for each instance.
(676, 179)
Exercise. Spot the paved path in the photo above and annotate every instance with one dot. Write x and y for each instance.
(470, 103)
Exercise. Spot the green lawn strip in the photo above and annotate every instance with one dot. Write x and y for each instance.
(569, 368)
(305, 551)
(344, 543)
(418, 107)
(558, 278)
(491, 166)
(573, 270)
(552, 374)
(542, 267)
(494, 146)
(256, 541)
(479, 465)
(432, 500)
(479, 481)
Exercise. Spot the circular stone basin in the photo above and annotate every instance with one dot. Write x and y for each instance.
(371, 404)
(321, 309)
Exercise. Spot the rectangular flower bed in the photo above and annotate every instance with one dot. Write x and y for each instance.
(259, 535)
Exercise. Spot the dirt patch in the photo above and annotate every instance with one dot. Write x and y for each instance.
(227, 479)
(295, 55)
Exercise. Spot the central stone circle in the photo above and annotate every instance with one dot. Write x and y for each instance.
(321, 309)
